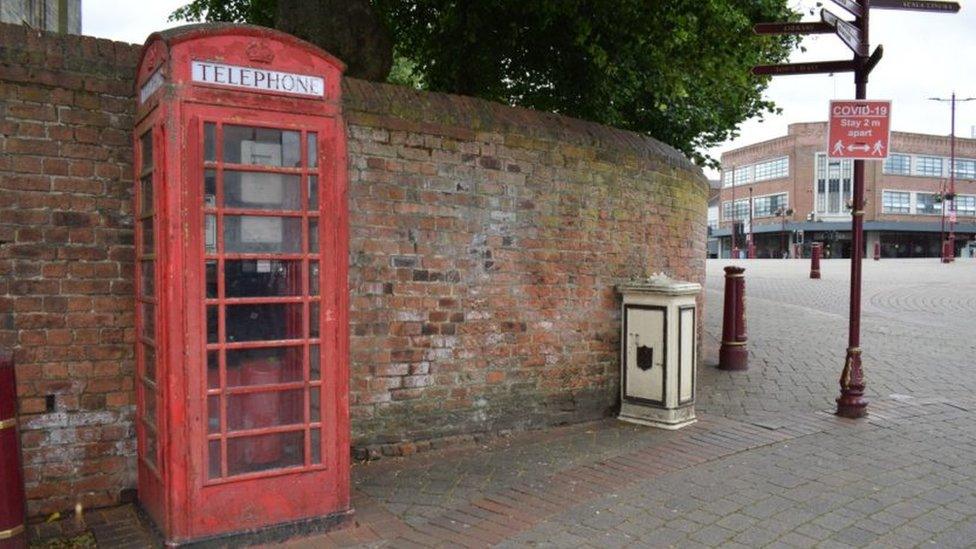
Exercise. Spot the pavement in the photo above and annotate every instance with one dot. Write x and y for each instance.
(766, 465)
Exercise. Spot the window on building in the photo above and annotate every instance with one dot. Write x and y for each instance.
(741, 210)
(896, 202)
(898, 164)
(766, 206)
(774, 169)
(926, 204)
(833, 184)
(743, 175)
(966, 204)
(965, 168)
(928, 166)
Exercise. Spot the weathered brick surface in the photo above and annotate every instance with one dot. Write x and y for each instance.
(485, 245)
(66, 253)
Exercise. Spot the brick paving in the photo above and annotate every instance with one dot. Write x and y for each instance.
(766, 465)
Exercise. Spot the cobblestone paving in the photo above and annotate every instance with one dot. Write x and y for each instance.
(918, 333)
(767, 464)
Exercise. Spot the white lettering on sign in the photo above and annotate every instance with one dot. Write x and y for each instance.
(154, 83)
(257, 79)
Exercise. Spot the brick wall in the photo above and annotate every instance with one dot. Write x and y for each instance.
(65, 261)
(485, 244)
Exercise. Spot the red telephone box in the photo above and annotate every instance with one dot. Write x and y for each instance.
(241, 236)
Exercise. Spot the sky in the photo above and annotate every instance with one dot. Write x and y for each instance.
(926, 55)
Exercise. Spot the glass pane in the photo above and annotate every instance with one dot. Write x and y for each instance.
(313, 149)
(146, 191)
(147, 151)
(212, 321)
(314, 359)
(266, 409)
(213, 414)
(213, 370)
(148, 236)
(149, 361)
(209, 188)
(264, 322)
(150, 451)
(262, 277)
(209, 141)
(210, 234)
(211, 277)
(261, 146)
(150, 404)
(254, 234)
(263, 452)
(316, 446)
(313, 192)
(213, 456)
(313, 313)
(313, 235)
(149, 321)
(313, 278)
(147, 278)
(262, 191)
(263, 366)
(315, 406)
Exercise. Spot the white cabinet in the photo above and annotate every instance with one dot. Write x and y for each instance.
(659, 352)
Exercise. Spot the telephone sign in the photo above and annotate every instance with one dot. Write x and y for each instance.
(859, 129)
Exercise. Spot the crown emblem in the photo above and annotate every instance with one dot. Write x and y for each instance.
(257, 51)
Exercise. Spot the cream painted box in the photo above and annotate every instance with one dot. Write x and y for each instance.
(659, 352)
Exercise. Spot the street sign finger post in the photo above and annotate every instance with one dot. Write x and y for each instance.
(859, 130)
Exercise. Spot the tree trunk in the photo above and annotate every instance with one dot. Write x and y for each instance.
(349, 29)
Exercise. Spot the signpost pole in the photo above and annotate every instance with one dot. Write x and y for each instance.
(851, 402)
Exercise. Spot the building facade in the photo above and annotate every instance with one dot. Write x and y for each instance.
(714, 188)
(799, 196)
(62, 16)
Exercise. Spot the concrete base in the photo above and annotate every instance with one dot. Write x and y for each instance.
(657, 417)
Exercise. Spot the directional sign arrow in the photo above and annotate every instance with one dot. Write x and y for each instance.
(810, 27)
(863, 147)
(916, 5)
(873, 60)
(847, 32)
(806, 68)
(852, 6)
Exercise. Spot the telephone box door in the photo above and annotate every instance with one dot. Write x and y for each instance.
(265, 409)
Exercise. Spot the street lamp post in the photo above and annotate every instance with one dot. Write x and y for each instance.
(735, 243)
(949, 244)
(751, 244)
(783, 213)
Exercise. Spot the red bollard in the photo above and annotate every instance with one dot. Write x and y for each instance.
(733, 355)
(12, 506)
(815, 260)
(877, 251)
(948, 251)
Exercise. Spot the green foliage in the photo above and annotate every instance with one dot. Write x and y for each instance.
(677, 70)
(404, 73)
(256, 12)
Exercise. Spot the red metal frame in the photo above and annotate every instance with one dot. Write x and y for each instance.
(187, 500)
